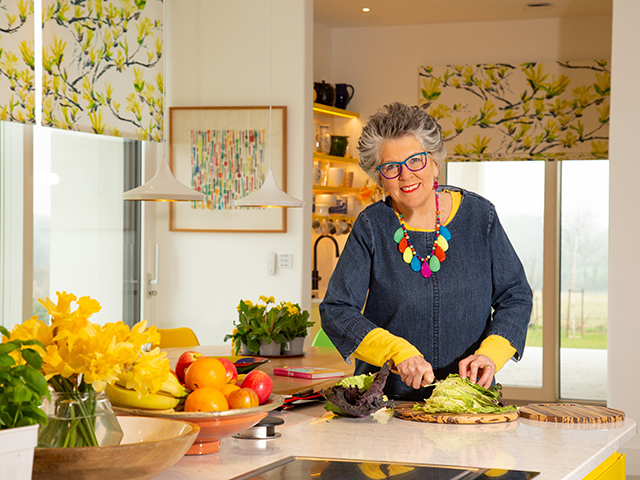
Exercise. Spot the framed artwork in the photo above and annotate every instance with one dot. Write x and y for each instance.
(226, 152)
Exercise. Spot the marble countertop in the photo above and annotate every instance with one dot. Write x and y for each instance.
(557, 451)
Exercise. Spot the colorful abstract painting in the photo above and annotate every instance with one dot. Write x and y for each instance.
(526, 111)
(226, 153)
(17, 61)
(103, 67)
(226, 165)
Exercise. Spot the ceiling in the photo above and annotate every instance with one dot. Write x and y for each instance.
(348, 13)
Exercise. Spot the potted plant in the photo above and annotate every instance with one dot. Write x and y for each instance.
(295, 329)
(22, 389)
(261, 327)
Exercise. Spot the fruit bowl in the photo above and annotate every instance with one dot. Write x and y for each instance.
(149, 446)
(214, 426)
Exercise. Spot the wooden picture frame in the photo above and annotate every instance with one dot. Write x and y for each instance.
(226, 152)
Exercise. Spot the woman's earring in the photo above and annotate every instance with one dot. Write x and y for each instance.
(435, 184)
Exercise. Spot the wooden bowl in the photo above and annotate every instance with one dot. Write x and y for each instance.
(149, 446)
(214, 426)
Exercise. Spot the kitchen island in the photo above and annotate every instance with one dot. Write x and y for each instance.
(555, 450)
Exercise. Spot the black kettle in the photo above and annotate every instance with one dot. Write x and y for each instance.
(326, 93)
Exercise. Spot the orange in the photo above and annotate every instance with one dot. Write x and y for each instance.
(205, 372)
(206, 399)
(228, 388)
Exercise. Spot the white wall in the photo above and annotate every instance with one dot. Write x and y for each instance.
(624, 222)
(218, 55)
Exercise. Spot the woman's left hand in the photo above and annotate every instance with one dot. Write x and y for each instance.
(479, 369)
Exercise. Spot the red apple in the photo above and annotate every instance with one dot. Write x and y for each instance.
(243, 398)
(186, 359)
(232, 372)
(259, 382)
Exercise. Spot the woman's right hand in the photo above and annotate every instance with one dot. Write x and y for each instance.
(416, 372)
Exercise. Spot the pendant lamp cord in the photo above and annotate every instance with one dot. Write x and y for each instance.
(270, 78)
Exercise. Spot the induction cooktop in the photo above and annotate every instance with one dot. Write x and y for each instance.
(302, 468)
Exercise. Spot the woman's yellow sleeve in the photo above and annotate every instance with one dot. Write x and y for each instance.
(378, 346)
(498, 349)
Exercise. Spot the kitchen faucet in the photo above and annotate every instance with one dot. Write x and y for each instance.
(314, 274)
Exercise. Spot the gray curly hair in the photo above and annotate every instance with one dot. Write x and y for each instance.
(395, 121)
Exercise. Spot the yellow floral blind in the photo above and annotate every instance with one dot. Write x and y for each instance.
(17, 87)
(103, 67)
(525, 111)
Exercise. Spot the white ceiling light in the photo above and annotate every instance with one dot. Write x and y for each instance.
(365, 9)
(269, 194)
(164, 187)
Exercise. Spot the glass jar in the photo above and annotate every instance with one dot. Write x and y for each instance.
(323, 139)
(79, 420)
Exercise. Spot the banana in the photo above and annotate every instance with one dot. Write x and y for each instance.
(124, 397)
(173, 387)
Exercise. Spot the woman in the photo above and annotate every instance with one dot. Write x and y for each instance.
(428, 278)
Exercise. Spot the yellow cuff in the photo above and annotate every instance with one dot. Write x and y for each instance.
(378, 346)
(498, 349)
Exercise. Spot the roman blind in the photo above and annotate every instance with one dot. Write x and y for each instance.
(526, 111)
(17, 62)
(103, 67)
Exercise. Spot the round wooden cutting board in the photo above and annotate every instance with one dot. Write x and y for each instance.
(570, 413)
(406, 412)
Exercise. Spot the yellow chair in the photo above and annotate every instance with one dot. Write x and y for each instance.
(177, 337)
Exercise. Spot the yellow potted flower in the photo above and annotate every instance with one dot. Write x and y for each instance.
(295, 328)
(265, 328)
(79, 360)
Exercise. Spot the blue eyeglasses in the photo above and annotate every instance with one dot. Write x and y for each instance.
(414, 163)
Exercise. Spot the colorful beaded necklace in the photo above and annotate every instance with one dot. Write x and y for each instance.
(431, 263)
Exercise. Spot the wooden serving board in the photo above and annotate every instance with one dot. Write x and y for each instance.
(406, 412)
(570, 413)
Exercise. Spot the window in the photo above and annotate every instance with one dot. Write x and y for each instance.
(522, 192)
(86, 238)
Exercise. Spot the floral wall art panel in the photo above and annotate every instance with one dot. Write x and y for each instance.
(17, 79)
(103, 67)
(526, 111)
(225, 152)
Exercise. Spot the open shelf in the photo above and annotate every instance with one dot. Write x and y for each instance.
(336, 112)
(325, 188)
(332, 158)
(333, 217)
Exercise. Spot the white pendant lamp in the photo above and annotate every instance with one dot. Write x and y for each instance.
(164, 187)
(269, 194)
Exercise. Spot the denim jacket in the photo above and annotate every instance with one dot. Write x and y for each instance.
(481, 289)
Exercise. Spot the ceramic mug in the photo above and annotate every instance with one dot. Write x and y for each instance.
(335, 176)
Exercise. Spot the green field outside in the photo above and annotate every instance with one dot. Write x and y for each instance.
(585, 321)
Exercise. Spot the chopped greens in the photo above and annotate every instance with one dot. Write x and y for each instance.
(455, 395)
(359, 396)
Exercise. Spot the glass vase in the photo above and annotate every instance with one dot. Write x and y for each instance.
(79, 420)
